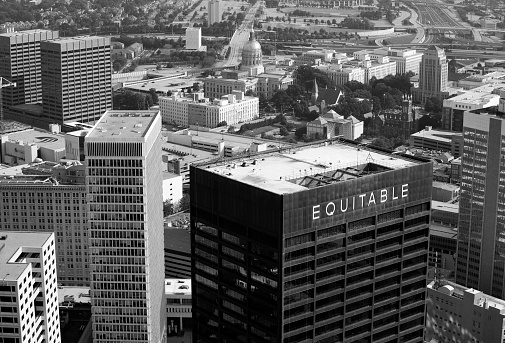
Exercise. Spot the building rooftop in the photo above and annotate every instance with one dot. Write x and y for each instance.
(39, 137)
(74, 294)
(163, 85)
(439, 135)
(443, 231)
(66, 40)
(10, 242)
(458, 291)
(178, 239)
(296, 169)
(178, 286)
(480, 96)
(445, 185)
(118, 125)
(22, 33)
(444, 206)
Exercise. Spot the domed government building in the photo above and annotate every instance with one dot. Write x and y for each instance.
(252, 57)
(252, 76)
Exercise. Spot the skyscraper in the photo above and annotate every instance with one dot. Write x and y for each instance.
(433, 76)
(326, 243)
(481, 226)
(124, 184)
(20, 63)
(28, 288)
(214, 12)
(76, 79)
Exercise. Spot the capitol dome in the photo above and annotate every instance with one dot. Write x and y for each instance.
(251, 52)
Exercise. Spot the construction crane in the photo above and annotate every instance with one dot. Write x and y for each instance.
(4, 83)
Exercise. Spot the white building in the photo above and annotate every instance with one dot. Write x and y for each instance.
(125, 219)
(28, 288)
(340, 75)
(193, 38)
(406, 59)
(455, 313)
(178, 306)
(214, 12)
(197, 110)
(333, 125)
(172, 187)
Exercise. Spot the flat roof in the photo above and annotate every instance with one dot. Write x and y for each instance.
(22, 33)
(178, 239)
(477, 96)
(293, 169)
(443, 231)
(445, 185)
(10, 243)
(178, 286)
(42, 138)
(444, 206)
(78, 294)
(120, 124)
(439, 135)
(163, 85)
(169, 175)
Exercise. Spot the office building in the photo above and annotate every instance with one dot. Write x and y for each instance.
(197, 110)
(339, 74)
(28, 290)
(430, 139)
(455, 313)
(481, 207)
(406, 59)
(76, 79)
(20, 62)
(125, 218)
(51, 198)
(214, 12)
(433, 76)
(193, 38)
(328, 242)
(177, 253)
(178, 307)
(475, 99)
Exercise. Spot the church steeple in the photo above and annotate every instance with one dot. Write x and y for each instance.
(315, 93)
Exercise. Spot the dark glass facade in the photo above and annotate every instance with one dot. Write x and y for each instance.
(296, 267)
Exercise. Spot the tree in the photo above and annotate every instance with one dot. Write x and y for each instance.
(433, 105)
(223, 123)
(196, 87)
(231, 129)
(283, 131)
(154, 95)
(119, 63)
(168, 208)
(184, 203)
(300, 132)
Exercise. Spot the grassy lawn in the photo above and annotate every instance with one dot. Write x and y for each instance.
(260, 130)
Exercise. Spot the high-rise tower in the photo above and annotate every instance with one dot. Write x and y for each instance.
(214, 12)
(328, 243)
(124, 184)
(20, 62)
(28, 288)
(76, 79)
(433, 75)
(481, 227)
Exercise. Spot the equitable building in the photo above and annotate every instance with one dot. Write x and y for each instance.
(322, 243)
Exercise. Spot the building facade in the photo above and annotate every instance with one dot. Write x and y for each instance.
(28, 291)
(433, 76)
(214, 12)
(231, 108)
(480, 264)
(20, 62)
(125, 216)
(285, 253)
(76, 79)
(217, 87)
(193, 38)
(406, 59)
(51, 204)
(178, 296)
(332, 125)
(340, 75)
(459, 314)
